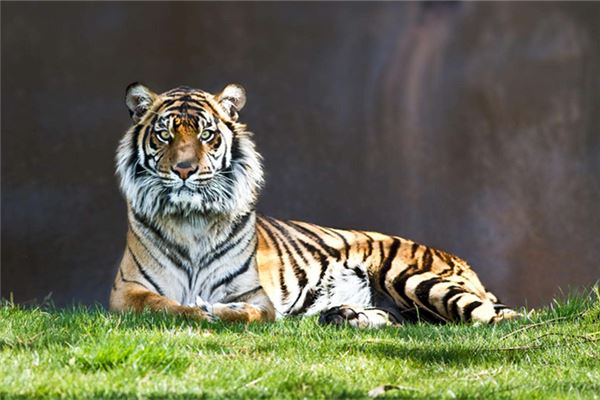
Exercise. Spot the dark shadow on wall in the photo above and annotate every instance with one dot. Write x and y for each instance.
(470, 127)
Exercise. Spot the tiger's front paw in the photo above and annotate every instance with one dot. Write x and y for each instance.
(199, 310)
(203, 305)
(356, 317)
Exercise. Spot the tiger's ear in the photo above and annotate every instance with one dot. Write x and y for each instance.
(232, 99)
(138, 99)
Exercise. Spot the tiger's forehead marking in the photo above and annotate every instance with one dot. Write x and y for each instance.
(189, 107)
(184, 100)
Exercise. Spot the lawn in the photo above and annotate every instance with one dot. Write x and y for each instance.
(90, 353)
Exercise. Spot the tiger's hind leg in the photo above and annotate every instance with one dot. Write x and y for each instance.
(359, 317)
(504, 313)
(447, 299)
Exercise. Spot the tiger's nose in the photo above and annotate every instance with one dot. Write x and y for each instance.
(185, 169)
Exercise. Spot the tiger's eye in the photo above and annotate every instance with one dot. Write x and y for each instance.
(164, 136)
(206, 136)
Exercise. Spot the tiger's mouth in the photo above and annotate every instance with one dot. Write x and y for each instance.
(183, 189)
(189, 186)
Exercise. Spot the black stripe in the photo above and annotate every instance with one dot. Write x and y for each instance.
(188, 272)
(240, 223)
(413, 249)
(298, 271)
(422, 291)
(236, 155)
(426, 312)
(214, 111)
(400, 283)
(442, 255)
(133, 281)
(369, 247)
(227, 243)
(287, 236)
(309, 300)
(452, 306)
(230, 277)
(224, 159)
(159, 156)
(133, 158)
(130, 280)
(224, 250)
(182, 253)
(139, 170)
(231, 252)
(450, 270)
(166, 103)
(169, 249)
(452, 291)
(331, 251)
(179, 90)
(169, 256)
(311, 294)
(153, 147)
(344, 241)
(291, 307)
(427, 260)
(453, 309)
(468, 309)
(244, 296)
(285, 293)
(284, 290)
(267, 230)
(145, 139)
(185, 108)
(387, 263)
(317, 254)
(144, 273)
(360, 273)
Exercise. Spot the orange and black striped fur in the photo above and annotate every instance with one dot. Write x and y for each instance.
(195, 246)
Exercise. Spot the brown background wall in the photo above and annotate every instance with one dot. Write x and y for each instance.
(471, 127)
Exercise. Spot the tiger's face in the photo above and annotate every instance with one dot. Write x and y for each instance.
(187, 152)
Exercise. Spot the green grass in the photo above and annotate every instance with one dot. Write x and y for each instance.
(90, 353)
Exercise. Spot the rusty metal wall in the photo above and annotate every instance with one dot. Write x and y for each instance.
(473, 127)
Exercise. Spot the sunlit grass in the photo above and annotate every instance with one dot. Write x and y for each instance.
(90, 353)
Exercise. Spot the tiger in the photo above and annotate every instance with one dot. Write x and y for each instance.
(191, 176)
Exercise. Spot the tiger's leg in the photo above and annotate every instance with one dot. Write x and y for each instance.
(503, 313)
(359, 317)
(131, 291)
(256, 307)
(135, 297)
(454, 298)
(433, 285)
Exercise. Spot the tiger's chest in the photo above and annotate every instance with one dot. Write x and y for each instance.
(214, 267)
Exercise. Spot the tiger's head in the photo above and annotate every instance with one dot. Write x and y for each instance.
(186, 153)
